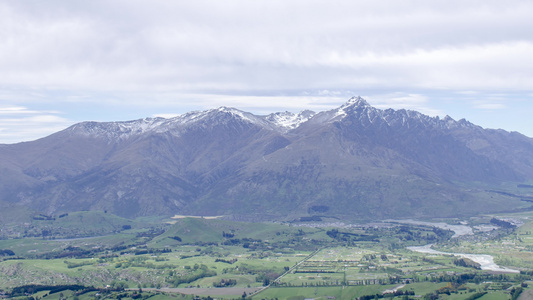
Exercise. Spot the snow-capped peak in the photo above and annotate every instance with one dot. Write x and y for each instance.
(288, 120)
(282, 122)
(358, 108)
(239, 113)
(217, 113)
(356, 101)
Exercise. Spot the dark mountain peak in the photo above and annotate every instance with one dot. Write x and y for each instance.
(354, 108)
(358, 112)
(307, 113)
(356, 102)
(449, 123)
(465, 122)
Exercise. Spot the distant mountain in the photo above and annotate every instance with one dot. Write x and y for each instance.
(353, 162)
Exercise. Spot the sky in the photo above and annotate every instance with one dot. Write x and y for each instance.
(64, 62)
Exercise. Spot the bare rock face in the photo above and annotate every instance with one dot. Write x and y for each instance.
(355, 161)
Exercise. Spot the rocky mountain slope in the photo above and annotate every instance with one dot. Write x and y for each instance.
(355, 161)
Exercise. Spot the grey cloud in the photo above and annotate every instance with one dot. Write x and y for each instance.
(203, 45)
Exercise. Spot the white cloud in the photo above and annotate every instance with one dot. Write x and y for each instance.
(276, 45)
(405, 101)
(166, 116)
(20, 110)
(13, 110)
(18, 123)
(261, 55)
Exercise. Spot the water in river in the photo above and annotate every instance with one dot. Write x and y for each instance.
(458, 230)
(486, 261)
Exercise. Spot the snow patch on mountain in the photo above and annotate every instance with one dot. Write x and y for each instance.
(288, 120)
(356, 108)
(128, 129)
(118, 130)
(355, 102)
(352, 104)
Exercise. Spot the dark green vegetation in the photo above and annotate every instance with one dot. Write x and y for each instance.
(88, 234)
(70, 225)
(150, 258)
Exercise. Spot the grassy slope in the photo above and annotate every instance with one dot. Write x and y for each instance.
(88, 221)
(192, 230)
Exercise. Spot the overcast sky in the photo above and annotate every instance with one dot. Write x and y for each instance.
(63, 62)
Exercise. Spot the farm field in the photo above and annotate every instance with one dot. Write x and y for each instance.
(200, 258)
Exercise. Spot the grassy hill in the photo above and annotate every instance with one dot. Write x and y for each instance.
(71, 225)
(194, 230)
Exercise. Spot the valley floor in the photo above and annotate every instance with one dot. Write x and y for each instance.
(195, 258)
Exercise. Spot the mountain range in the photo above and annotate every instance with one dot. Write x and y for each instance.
(352, 162)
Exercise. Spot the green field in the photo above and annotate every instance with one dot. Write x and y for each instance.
(222, 259)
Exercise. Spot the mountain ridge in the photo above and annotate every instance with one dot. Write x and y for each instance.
(277, 121)
(356, 160)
